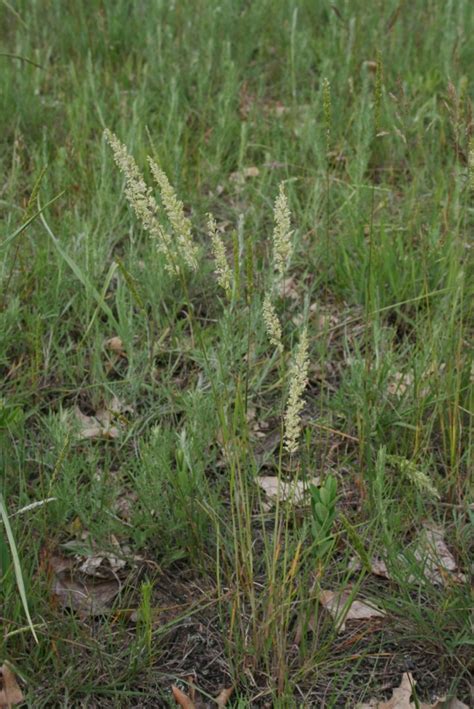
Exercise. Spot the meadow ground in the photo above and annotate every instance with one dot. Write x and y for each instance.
(147, 416)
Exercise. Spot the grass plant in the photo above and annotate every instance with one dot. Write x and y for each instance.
(275, 278)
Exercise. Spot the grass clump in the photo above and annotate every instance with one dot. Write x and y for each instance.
(229, 414)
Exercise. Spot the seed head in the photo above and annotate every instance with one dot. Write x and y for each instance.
(175, 212)
(298, 382)
(221, 268)
(282, 233)
(471, 164)
(140, 198)
(272, 323)
(418, 477)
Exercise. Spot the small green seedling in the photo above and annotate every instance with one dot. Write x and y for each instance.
(145, 619)
(323, 508)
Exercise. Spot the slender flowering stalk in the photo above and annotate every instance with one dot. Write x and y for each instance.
(471, 164)
(221, 269)
(327, 109)
(272, 323)
(175, 212)
(378, 93)
(282, 233)
(140, 198)
(298, 382)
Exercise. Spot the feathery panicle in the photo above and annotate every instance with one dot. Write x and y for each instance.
(140, 198)
(175, 212)
(298, 382)
(282, 233)
(471, 164)
(418, 477)
(222, 270)
(272, 323)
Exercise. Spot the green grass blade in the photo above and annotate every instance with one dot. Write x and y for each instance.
(79, 273)
(16, 565)
(26, 224)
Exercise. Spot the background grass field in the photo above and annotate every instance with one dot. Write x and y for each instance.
(213, 583)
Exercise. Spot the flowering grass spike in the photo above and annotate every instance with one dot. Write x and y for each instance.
(471, 164)
(175, 213)
(298, 382)
(221, 269)
(140, 198)
(272, 323)
(282, 233)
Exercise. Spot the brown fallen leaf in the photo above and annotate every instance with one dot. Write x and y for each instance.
(400, 383)
(439, 565)
(107, 422)
(293, 491)
(97, 562)
(289, 288)
(430, 550)
(444, 703)
(378, 567)
(181, 698)
(239, 177)
(265, 443)
(251, 171)
(100, 566)
(98, 426)
(337, 605)
(186, 702)
(327, 316)
(124, 505)
(10, 692)
(93, 560)
(88, 596)
(402, 695)
(224, 696)
(115, 344)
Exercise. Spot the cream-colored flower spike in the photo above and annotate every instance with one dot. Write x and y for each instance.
(298, 382)
(221, 268)
(471, 164)
(175, 212)
(272, 323)
(282, 244)
(140, 198)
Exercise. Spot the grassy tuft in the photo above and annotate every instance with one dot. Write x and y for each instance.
(274, 289)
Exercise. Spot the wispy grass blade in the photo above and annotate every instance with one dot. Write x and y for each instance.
(16, 565)
(26, 224)
(79, 273)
